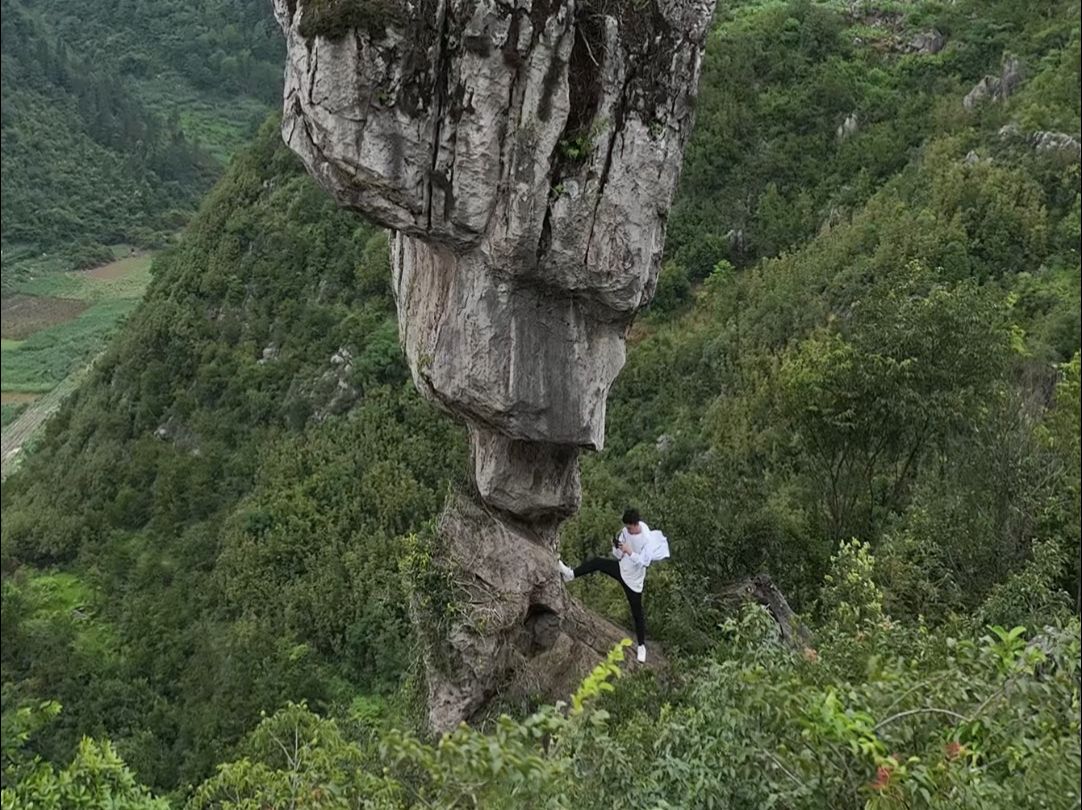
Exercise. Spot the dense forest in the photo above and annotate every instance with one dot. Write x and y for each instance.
(118, 116)
(860, 375)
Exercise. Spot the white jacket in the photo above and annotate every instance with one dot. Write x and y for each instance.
(646, 547)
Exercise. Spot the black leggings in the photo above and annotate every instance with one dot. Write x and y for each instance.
(634, 599)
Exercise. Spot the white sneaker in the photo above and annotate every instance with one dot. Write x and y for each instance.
(642, 654)
(566, 572)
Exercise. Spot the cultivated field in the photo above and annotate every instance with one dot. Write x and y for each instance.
(23, 315)
(54, 325)
(123, 278)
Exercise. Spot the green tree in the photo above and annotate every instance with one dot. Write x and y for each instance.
(874, 391)
(95, 779)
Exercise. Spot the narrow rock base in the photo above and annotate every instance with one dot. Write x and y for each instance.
(496, 619)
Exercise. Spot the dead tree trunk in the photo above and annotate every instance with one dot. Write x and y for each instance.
(762, 590)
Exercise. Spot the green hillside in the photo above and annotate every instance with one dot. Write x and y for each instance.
(118, 116)
(860, 375)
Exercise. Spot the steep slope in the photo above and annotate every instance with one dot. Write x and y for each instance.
(229, 555)
(807, 108)
(891, 379)
(105, 142)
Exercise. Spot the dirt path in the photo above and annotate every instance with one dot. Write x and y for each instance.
(19, 432)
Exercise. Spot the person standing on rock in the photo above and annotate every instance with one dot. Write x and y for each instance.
(634, 548)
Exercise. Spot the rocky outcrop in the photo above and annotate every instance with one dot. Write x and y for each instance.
(995, 88)
(516, 630)
(334, 392)
(526, 155)
(1056, 143)
(512, 472)
(847, 128)
(926, 42)
(1059, 144)
(269, 354)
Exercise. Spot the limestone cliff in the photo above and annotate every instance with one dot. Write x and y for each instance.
(526, 154)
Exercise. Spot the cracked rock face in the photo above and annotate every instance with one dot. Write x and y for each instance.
(526, 154)
(518, 632)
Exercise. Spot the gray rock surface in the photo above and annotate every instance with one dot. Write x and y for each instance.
(926, 42)
(1059, 143)
(847, 128)
(995, 88)
(516, 630)
(499, 469)
(521, 358)
(526, 154)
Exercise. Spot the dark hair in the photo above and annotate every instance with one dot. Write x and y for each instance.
(631, 517)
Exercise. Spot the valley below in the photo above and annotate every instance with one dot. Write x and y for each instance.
(53, 326)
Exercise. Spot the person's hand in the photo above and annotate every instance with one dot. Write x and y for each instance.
(625, 548)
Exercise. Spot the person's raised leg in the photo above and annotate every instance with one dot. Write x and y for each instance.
(610, 567)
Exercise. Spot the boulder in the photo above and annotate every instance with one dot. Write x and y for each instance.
(926, 42)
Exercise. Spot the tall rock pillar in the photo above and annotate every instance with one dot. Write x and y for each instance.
(525, 152)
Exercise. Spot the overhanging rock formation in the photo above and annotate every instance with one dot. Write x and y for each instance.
(526, 154)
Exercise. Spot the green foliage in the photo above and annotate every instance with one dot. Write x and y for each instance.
(12, 411)
(851, 599)
(765, 160)
(1061, 434)
(95, 779)
(335, 18)
(868, 399)
(1031, 594)
(886, 379)
(374, 269)
(216, 495)
(296, 759)
(673, 288)
(940, 722)
(577, 148)
(92, 154)
(924, 725)
(430, 587)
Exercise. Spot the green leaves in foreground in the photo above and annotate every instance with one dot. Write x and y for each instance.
(95, 779)
(884, 717)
